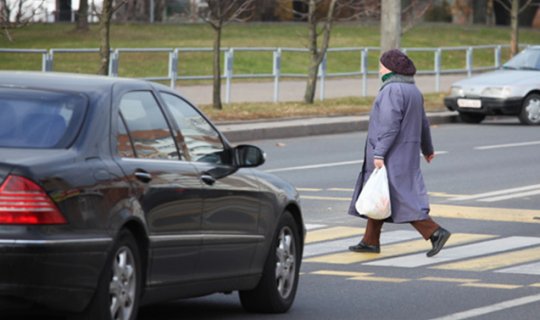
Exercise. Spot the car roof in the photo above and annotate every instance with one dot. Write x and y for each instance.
(63, 81)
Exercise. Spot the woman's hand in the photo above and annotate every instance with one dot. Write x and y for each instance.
(378, 163)
(429, 157)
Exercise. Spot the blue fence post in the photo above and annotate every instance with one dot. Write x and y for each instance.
(277, 73)
(438, 54)
(173, 67)
(322, 74)
(497, 57)
(364, 70)
(114, 57)
(469, 61)
(229, 60)
(47, 64)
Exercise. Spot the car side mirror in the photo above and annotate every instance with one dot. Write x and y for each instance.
(248, 156)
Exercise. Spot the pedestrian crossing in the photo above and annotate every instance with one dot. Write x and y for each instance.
(473, 252)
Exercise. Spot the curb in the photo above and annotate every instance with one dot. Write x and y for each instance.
(290, 128)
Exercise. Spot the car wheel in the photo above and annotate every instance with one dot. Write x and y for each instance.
(530, 112)
(471, 117)
(277, 288)
(119, 288)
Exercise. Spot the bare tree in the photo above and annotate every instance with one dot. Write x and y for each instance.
(490, 14)
(82, 16)
(462, 12)
(105, 33)
(390, 24)
(320, 17)
(218, 13)
(513, 7)
(17, 14)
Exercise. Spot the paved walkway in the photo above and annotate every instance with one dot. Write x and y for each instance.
(293, 90)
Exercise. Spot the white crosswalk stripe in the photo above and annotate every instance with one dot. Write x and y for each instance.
(461, 253)
(531, 268)
(343, 244)
(458, 253)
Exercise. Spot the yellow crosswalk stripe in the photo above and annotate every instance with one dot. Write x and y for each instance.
(491, 285)
(494, 262)
(491, 214)
(444, 279)
(332, 233)
(360, 276)
(341, 273)
(394, 250)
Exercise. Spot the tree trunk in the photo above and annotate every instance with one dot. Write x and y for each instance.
(462, 12)
(490, 14)
(317, 55)
(514, 22)
(104, 32)
(217, 69)
(82, 16)
(390, 25)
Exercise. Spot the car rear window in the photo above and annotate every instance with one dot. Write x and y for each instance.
(39, 119)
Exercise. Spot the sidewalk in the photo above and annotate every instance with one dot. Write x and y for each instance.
(294, 91)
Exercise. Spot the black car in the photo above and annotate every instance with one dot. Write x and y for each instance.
(116, 193)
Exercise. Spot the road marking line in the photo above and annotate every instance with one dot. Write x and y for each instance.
(316, 166)
(458, 253)
(511, 196)
(537, 285)
(341, 189)
(393, 250)
(442, 279)
(490, 309)
(489, 214)
(309, 189)
(496, 193)
(380, 279)
(445, 195)
(332, 233)
(313, 226)
(531, 268)
(495, 261)
(509, 145)
(327, 247)
(325, 198)
(492, 285)
(341, 273)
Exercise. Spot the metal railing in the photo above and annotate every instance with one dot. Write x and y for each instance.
(364, 55)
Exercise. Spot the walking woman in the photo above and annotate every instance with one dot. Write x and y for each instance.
(398, 132)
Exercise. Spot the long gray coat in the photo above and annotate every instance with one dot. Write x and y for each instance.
(398, 131)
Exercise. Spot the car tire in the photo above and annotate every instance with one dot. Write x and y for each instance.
(468, 117)
(276, 290)
(530, 111)
(119, 287)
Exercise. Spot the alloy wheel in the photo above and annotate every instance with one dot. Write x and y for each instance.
(123, 285)
(286, 262)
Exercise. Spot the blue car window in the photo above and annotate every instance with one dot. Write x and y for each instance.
(147, 127)
(203, 142)
(38, 119)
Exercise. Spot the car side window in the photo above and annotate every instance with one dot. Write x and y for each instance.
(148, 130)
(123, 141)
(201, 139)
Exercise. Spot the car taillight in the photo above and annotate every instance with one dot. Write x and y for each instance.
(24, 202)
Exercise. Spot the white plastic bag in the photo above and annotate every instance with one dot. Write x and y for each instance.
(374, 200)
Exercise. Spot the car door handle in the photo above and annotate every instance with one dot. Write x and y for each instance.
(208, 179)
(143, 176)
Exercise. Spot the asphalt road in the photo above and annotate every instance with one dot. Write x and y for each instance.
(484, 187)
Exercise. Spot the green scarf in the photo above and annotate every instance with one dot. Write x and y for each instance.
(387, 76)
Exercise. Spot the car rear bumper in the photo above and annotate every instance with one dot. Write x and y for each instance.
(58, 274)
(489, 106)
